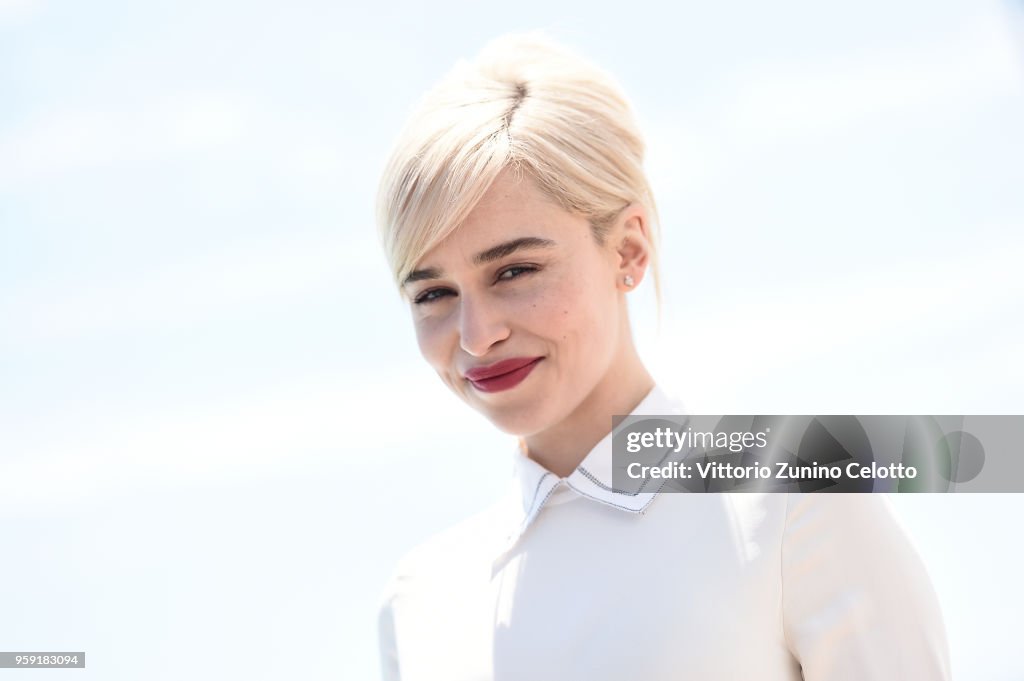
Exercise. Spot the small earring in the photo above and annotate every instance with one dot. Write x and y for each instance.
(628, 281)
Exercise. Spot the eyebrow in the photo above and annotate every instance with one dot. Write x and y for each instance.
(490, 255)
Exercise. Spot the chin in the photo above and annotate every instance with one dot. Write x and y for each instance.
(518, 421)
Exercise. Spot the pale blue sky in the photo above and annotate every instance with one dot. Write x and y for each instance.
(216, 434)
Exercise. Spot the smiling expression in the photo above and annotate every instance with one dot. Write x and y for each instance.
(518, 309)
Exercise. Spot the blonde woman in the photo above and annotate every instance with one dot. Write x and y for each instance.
(517, 220)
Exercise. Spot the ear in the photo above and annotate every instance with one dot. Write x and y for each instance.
(633, 246)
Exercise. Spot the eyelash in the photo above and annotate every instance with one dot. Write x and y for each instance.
(425, 297)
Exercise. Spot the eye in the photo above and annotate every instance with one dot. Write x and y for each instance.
(515, 271)
(430, 295)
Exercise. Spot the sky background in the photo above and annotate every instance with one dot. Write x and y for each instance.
(216, 433)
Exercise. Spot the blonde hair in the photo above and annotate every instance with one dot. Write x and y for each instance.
(524, 103)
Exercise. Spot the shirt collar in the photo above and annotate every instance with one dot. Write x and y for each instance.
(536, 487)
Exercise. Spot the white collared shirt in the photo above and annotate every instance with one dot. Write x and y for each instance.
(568, 578)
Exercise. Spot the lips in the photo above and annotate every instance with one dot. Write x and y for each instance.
(502, 375)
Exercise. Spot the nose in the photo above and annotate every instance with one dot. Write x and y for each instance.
(481, 325)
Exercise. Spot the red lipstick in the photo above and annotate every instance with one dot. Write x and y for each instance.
(503, 375)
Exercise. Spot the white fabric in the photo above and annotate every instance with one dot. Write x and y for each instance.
(568, 579)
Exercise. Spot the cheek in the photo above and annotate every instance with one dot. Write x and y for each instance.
(568, 313)
(431, 338)
(582, 319)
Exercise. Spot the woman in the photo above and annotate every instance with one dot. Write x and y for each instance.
(517, 219)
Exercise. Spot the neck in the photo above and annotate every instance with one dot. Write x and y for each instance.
(562, 447)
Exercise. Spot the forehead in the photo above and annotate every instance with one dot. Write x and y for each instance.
(513, 207)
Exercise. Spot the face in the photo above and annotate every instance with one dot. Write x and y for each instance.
(519, 309)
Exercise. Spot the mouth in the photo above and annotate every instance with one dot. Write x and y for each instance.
(503, 375)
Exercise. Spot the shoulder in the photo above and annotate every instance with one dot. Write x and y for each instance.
(859, 536)
(844, 519)
(430, 580)
(858, 601)
(459, 547)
